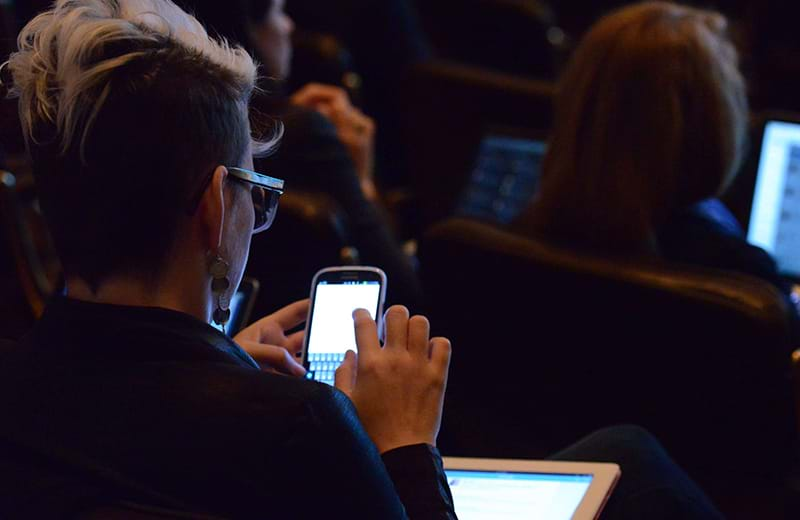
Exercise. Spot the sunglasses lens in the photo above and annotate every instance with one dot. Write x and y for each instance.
(265, 203)
(259, 205)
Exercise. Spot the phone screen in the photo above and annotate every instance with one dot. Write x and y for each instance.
(330, 332)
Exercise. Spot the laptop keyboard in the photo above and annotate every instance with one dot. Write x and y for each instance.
(322, 367)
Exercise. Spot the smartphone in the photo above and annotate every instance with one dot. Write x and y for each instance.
(335, 293)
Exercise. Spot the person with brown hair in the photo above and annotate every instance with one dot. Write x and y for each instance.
(650, 123)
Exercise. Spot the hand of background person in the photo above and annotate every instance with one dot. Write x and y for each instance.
(266, 340)
(354, 129)
(398, 390)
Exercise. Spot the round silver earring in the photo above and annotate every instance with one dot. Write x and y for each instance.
(218, 268)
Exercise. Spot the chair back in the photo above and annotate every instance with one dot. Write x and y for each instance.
(550, 344)
(519, 37)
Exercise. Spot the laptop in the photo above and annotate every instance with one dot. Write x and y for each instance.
(505, 489)
(775, 211)
(504, 177)
(241, 306)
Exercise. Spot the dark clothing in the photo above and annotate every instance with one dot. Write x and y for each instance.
(707, 234)
(311, 157)
(110, 403)
(385, 39)
(652, 486)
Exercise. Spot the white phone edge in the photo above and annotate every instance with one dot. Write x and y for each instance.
(325, 270)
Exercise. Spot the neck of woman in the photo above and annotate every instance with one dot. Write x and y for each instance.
(180, 292)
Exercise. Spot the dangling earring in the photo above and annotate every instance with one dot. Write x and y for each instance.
(218, 269)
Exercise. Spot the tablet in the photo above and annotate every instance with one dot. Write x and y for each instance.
(775, 212)
(505, 175)
(505, 489)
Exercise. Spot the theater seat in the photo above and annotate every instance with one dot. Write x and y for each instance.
(25, 275)
(514, 36)
(309, 233)
(550, 344)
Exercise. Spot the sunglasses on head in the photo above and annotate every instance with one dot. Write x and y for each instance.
(264, 190)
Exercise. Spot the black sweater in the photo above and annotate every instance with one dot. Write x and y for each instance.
(107, 403)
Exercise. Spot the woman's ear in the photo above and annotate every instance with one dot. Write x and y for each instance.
(212, 210)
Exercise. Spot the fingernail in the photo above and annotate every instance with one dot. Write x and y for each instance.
(299, 370)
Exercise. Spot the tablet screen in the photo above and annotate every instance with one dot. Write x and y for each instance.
(505, 178)
(775, 215)
(484, 495)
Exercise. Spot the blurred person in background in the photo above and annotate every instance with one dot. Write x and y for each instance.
(650, 127)
(328, 143)
(386, 40)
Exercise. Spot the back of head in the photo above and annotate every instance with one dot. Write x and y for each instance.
(126, 106)
(650, 117)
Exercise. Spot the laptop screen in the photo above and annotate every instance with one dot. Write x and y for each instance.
(775, 214)
(504, 178)
(484, 495)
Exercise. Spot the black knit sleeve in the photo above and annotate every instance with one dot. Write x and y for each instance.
(418, 476)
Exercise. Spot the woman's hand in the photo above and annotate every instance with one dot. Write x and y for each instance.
(354, 129)
(266, 340)
(398, 390)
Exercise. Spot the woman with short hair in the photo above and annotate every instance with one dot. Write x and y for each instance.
(137, 125)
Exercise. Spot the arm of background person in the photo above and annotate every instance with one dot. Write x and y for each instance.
(311, 157)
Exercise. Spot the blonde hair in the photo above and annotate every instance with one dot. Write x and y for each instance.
(62, 70)
(127, 101)
(650, 117)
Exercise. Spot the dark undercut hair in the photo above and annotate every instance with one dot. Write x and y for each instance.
(141, 107)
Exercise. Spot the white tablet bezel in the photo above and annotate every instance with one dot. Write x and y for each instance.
(604, 477)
